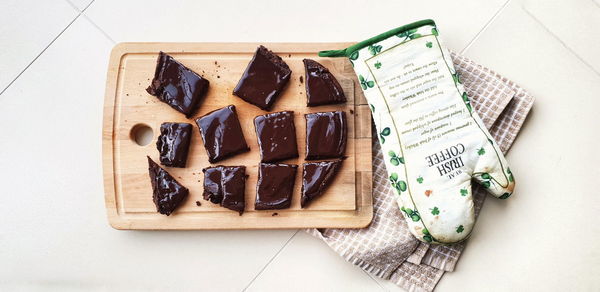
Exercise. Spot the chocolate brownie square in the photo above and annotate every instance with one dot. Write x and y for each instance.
(264, 79)
(222, 134)
(326, 135)
(276, 136)
(173, 143)
(226, 185)
(177, 85)
(275, 186)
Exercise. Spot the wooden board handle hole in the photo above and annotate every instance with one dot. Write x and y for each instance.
(141, 134)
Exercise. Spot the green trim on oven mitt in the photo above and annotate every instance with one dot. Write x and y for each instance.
(434, 143)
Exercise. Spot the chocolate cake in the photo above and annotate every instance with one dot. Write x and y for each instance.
(233, 184)
(173, 143)
(212, 184)
(316, 177)
(264, 79)
(321, 86)
(276, 136)
(177, 85)
(222, 134)
(275, 186)
(325, 135)
(226, 185)
(167, 193)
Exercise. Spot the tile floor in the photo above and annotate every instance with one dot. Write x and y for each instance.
(54, 235)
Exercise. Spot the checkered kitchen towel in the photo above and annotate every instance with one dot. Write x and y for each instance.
(386, 248)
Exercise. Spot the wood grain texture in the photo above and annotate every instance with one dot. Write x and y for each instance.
(128, 193)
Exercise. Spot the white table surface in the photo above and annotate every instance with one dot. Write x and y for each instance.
(53, 229)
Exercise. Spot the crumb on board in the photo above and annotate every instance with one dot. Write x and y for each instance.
(274, 214)
(198, 203)
(301, 79)
(351, 112)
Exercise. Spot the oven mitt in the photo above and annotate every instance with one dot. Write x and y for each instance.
(434, 144)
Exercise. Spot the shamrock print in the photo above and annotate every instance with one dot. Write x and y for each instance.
(480, 151)
(364, 83)
(460, 229)
(465, 98)
(414, 215)
(384, 133)
(399, 185)
(395, 160)
(434, 31)
(374, 49)
(511, 178)
(420, 179)
(353, 57)
(429, 44)
(435, 211)
(427, 237)
(377, 65)
(486, 180)
(372, 108)
(505, 196)
(409, 34)
(463, 192)
(456, 78)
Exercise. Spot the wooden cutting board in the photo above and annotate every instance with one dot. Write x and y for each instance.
(128, 109)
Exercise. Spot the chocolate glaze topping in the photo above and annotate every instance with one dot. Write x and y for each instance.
(173, 143)
(321, 86)
(276, 135)
(275, 186)
(325, 135)
(264, 79)
(233, 184)
(316, 177)
(167, 193)
(222, 134)
(177, 85)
